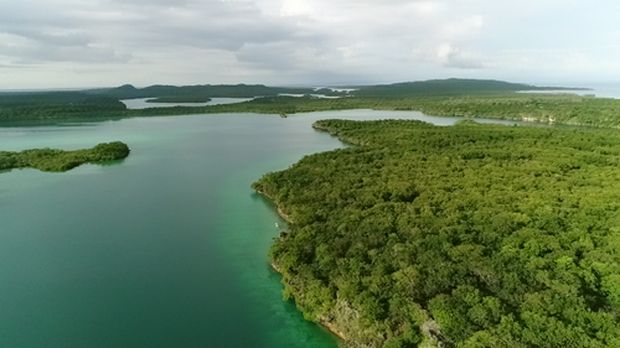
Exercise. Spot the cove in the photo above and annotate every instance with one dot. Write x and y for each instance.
(167, 248)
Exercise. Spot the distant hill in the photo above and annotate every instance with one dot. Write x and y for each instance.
(198, 91)
(448, 87)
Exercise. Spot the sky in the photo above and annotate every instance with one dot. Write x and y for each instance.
(93, 43)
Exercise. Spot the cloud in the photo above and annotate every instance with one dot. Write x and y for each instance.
(92, 42)
(453, 57)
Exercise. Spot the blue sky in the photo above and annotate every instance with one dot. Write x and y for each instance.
(88, 43)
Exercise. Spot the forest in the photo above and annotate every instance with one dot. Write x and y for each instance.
(466, 236)
(54, 160)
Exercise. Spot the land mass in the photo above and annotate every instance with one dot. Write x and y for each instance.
(54, 160)
(452, 97)
(469, 236)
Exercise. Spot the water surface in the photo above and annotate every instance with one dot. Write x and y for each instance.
(142, 103)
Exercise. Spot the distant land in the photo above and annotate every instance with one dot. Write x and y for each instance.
(403, 89)
(452, 87)
(450, 97)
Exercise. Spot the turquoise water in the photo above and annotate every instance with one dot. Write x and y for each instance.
(167, 248)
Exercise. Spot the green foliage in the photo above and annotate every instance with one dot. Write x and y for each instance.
(51, 160)
(503, 236)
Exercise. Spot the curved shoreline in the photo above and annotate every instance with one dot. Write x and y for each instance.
(329, 326)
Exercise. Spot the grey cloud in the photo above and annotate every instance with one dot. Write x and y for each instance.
(11, 66)
(46, 54)
(153, 3)
(202, 25)
(457, 59)
(41, 47)
(293, 41)
(51, 38)
(227, 36)
(211, 24)
(268, 56)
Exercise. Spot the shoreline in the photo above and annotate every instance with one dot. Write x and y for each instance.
(429, 329)
(326, 324)
(279, 210)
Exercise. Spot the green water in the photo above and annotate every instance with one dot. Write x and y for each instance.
(165, 249)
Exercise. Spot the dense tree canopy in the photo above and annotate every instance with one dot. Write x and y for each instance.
(471, 235)
(57, 106)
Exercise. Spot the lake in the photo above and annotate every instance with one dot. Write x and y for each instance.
(167, 248)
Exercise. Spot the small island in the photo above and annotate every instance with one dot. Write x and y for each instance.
(54, 160)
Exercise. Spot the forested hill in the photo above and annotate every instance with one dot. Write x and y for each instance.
(472, 235)
(448, 87)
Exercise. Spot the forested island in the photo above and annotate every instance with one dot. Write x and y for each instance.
(463, 236)
(54, 160)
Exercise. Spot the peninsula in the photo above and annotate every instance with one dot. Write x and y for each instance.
(469, 236)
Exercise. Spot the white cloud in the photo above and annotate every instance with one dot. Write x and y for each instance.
(102, 42)
(453, 57)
